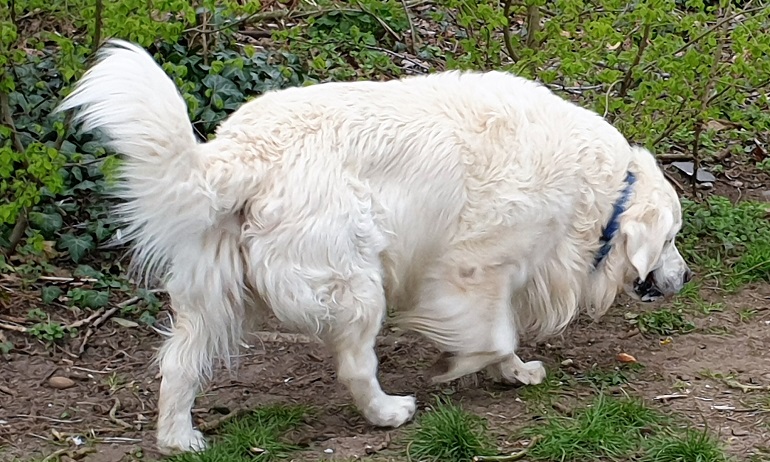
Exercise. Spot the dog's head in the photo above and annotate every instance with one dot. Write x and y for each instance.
(648, 232)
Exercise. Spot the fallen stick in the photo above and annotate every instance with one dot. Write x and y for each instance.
(75, 454)
(13, 328)
(514, 456)
(219, 421)
(102, 319)
(114, 419)
(667, 397)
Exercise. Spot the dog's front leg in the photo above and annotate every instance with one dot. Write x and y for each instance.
(513, 370)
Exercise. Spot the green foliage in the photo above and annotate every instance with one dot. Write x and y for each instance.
(690, 445)
(348, 43)
(661, 322)
(608, 428)
(730, 243)
(653, 93)
(51, 331)
(257, 436)
(448, 433)
(620, 429)
(213, 91)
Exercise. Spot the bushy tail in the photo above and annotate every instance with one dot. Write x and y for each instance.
(164, 192)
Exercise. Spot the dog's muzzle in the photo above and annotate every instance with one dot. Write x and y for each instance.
(647, 289)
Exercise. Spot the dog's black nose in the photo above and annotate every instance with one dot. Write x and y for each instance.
(688, 275)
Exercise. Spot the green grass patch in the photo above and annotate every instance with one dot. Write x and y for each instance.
(609, 427)
(618, 429)
(448, 433)
(257, 436)
(689, 446)
(661, 322)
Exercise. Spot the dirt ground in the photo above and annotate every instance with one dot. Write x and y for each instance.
(113, 400)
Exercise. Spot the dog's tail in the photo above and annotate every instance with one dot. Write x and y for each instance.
(162, 177)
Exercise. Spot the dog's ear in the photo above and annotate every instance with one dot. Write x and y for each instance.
(644, 240)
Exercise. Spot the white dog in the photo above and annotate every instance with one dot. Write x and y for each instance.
(482, 207)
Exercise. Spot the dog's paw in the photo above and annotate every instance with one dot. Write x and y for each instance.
(391, 411)
(194, 441)
(532, 373)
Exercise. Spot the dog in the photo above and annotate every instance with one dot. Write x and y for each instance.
(480, 206)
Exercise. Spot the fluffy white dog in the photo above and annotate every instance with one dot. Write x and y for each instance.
(482, 207)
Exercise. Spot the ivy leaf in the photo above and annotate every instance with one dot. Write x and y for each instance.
(48, 223)
(50, 293)
(77, 246)
(86, 298)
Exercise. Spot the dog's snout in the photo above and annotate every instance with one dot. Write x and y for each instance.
(688, 275)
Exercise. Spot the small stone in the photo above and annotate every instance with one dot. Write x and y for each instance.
(61, 383)
(329, 451)
(567, 362)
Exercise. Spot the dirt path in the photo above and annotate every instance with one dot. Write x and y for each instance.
(113, 398)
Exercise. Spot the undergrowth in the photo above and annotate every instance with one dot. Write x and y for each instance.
(618, 429)
(727, 243)
(256, 436)
(447, 433)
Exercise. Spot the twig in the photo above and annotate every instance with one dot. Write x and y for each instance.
(7, 119)
(13, 327)
(412, 29)
(515, 456)
(746, 387)
(82, 322)
(626, 84)
(668, 397)
(399, 55)
(607, 98)
(7, 391)
(382, 22)
(63, 279)
(97, 26)
(114, 419)
(533, 26)
(705, 100)
(47, 419)
(507, 31)
(92, 329)
(73, 454)
(671, 126)
(218, 422)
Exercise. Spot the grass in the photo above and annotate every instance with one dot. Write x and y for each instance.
(691, 446)
(662, 322)
(254, 437)
(449, 434)
(615, 429)
(608, 427)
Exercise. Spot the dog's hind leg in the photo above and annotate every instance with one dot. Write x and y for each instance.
(207, 296)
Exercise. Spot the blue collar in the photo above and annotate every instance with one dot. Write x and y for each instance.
(613, 225)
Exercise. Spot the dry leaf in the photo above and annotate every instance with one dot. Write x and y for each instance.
(625, 358)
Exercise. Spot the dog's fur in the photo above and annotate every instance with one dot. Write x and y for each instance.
(472, 203)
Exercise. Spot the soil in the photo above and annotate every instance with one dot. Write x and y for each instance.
(113, 399)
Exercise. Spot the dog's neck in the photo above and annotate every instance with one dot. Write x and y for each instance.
(612, 226)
